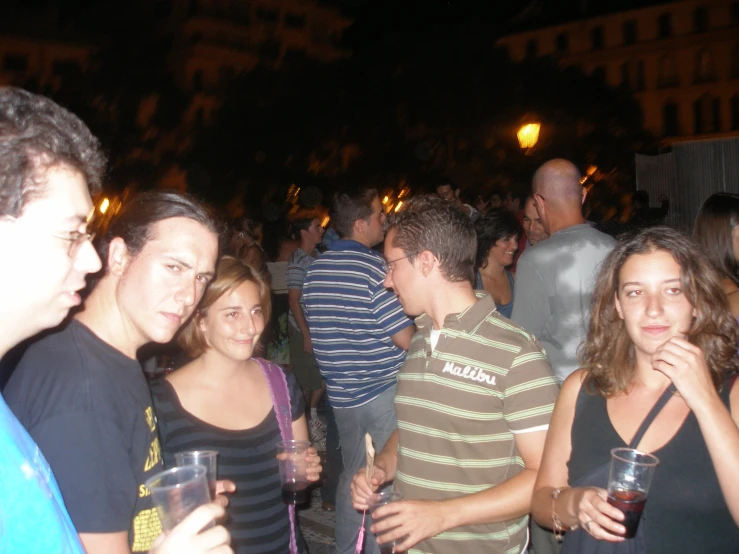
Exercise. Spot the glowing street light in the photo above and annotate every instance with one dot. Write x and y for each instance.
(528, 135)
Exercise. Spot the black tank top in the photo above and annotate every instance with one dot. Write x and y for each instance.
(686, 511)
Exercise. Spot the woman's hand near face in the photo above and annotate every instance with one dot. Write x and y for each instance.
(683, 363)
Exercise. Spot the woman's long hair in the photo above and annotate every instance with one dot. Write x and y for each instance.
(713, 229)
(608, 351)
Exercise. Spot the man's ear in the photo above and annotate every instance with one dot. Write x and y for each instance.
(426, 261)
(359, 227)
(118, 256)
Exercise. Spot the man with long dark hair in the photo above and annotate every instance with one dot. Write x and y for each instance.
(49, 165)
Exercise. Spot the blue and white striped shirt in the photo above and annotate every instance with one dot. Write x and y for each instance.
(351, 316)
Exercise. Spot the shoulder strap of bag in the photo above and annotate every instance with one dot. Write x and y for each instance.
(281, 402)
(656, 409)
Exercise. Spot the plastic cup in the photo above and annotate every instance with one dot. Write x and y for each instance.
(177, 492)
(383, 499)
(293, 479)
(628, 484)
(207, 458)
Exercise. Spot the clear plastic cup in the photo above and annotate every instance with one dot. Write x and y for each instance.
(628, 484)
(207, 458)
(177, 492)
(293, 479)
(383, 499)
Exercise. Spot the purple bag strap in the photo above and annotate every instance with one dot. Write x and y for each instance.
(281, 403)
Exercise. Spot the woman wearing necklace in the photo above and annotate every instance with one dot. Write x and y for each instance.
(658, 367)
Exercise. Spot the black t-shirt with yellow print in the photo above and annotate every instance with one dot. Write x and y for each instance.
(89, 408)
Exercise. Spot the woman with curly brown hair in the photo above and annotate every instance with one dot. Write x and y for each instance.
(660, 331)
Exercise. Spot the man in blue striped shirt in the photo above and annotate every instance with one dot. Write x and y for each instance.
(360, 336)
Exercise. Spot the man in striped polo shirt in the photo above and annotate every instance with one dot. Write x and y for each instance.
(360, 336)
(474, 400)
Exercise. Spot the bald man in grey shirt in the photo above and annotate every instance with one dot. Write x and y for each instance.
(555, 278)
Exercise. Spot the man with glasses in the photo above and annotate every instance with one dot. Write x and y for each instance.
(474, 400)
(359, 335)
(49, 165)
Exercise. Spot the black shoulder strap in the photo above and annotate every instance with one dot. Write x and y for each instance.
(656, 409)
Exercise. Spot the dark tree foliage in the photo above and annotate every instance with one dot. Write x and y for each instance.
(414, 106)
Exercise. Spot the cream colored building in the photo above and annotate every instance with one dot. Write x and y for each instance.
(680, 60)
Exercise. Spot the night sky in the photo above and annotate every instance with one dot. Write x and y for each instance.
(375, 19)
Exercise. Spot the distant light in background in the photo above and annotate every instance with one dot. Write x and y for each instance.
(386, 200)
(589, 172)
(528, 135)
(398, 205)
(325, 221)
(104, 205)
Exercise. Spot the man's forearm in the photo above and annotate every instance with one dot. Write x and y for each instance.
(299, 316)
(509, 500)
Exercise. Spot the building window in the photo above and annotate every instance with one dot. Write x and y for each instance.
(666, 73)
(629, 32)
(268, 16)
(532, 48)
(632, 76)
(670, 126)
(640, 80)
(294, 21)
(596, 37)
(15, 62)
(706, 115)
(664, 25)
(562, 43)
(700, 20)
(734, 103)
(703, 66)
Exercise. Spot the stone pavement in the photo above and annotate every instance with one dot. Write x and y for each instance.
(317, 526)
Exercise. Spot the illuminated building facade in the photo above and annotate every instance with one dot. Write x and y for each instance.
(679, 59)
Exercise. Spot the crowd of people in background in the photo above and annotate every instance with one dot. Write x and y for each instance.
(493, 351)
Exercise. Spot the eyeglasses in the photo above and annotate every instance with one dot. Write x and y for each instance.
(389, 265)
(76, 240)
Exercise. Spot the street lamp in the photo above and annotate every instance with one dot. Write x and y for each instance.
(528, 135)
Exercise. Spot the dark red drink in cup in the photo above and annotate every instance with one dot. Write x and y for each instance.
(295, 492)
(631, 503)
(628, 484)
